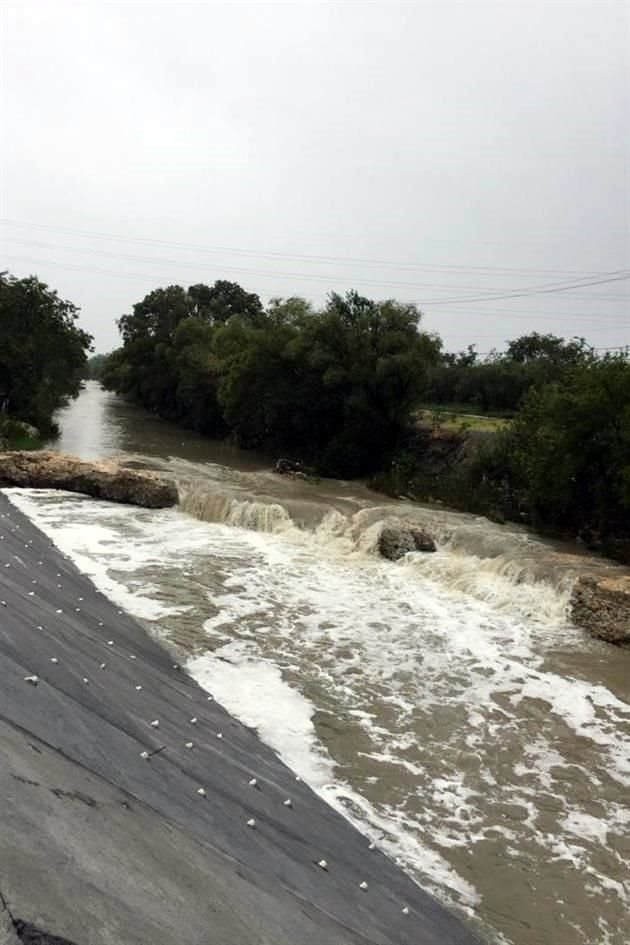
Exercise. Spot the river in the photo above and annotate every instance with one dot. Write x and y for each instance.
(444, 703)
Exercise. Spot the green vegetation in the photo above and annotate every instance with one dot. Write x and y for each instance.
(566, 458)
(336, 387)
(16, 435)
(358, 388)
(42, 354)
(435, 417)
(562, 466)
(539, 434)
(498, 383)
(94, 367)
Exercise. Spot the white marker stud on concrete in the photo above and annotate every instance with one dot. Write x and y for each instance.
(53, 659)
(110, 642)
(132, 657)
(145, 755)
(323, 864)
(193, 721)
(405, 910)
(363, 885)
(138, 688)
(189, 744)
(201, 792)
(288, 802)
(251, 822)
(253, 782)
(219, 734)
(33, 680)
(371, 846)
(103, 665)
(155, 723)
(86, 680)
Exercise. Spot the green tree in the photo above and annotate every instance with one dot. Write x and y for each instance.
(565, 461)
(43, 353)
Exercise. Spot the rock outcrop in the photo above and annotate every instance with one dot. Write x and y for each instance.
(44, 469)
(395, 541)
(602, 606)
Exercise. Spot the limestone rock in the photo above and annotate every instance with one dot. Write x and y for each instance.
(395, 541)
(602, 606)
(44, 469)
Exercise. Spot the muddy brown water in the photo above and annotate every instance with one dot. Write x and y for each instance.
(445, 702)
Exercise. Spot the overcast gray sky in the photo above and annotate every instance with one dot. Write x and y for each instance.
(430, 151)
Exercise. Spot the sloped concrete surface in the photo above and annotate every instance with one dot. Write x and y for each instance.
(100, 846)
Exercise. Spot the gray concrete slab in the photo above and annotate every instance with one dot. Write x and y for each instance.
(101, 846)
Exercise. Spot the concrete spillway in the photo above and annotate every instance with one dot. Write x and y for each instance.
(100, 845)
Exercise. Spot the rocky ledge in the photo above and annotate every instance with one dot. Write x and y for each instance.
(602, 606)
(395, 541)
(44, 469)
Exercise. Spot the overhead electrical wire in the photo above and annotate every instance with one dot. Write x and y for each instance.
(522, 292)
(302, 257)
(146, 276)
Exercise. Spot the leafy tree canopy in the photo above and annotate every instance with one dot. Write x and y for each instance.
(337, 384)
(43, 353)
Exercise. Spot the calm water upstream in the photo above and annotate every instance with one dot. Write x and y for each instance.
(445, 703)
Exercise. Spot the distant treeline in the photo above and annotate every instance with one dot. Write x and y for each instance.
(498, 383)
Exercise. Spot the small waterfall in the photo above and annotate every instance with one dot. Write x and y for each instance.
(253, 513)
(501, 565)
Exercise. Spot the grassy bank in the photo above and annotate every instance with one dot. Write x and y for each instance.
(16, 435)
(433, 416)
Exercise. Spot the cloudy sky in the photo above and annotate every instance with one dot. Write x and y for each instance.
(472, 157)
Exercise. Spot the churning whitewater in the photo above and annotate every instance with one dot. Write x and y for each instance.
(444, 703)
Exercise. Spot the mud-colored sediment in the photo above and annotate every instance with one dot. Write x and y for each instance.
(99, 846)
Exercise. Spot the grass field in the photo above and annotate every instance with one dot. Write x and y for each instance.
(456, 421)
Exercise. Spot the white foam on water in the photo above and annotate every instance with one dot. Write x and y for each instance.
(254, 691)
(422, 681)
(92, 546)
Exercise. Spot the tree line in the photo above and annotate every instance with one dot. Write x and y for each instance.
(43, 352)
(336, 386)
(339, 387)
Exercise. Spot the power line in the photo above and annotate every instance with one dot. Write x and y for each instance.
(527, 291)
(545, 288)
(302, 257)
(428, 316)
